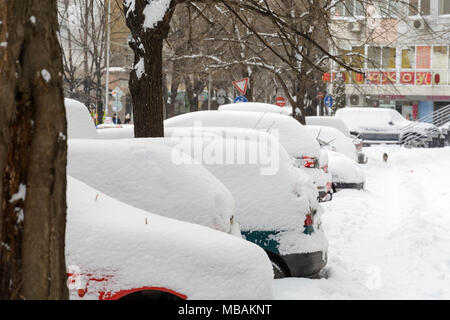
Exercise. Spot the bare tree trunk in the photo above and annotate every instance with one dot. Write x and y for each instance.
(146, 79)
(33, 153)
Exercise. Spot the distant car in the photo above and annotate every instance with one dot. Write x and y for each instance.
(276, 209)
(346, 173)
(293, 136)
(117, 252)
(340, 125)
(256, 107)
(80, 124)
(384, 125)
(146, 177)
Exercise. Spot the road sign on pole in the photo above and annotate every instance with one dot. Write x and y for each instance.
(320, 95)
(280, 101)
(328, 101)
(240, 99)
(241, 85)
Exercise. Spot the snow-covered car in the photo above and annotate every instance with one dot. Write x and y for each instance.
(340, 125)
(116, 251)
(276, 209)
(334, 139)
(293, 136)
(256, 107)
(146, 177)
(384, 125)
(346, 173)
(80, 124)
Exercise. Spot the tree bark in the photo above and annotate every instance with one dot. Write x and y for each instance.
(33, 153)
(146, 87)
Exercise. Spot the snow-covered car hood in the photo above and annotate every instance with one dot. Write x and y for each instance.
(120, 247)
(343, 169)
(146, 177)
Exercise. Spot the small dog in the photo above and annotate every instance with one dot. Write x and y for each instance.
(385, 157)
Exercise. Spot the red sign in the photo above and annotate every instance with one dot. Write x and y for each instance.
(241, 85)
(437, 78)
(407, 77)
(389, 78)
(280, 101)
(320, 95)
(373, 77)
(423, 78)
(326, 77)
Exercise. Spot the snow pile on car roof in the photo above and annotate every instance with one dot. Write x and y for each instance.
(376, 119)
(332, 122)
(292, 135)
(146, 177)
(256, 107)
(130, 248)
(80, 124)
(334, 138)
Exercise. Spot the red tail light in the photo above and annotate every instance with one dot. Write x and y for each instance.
(329, 186)
(308, 224)
(358, 147)
(309, 162)
(325, 168)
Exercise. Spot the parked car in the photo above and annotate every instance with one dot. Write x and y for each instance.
(146, 177)
(293, 136)
(335, 140)
(384, 125)
(322, 180)
(346, 173)
(277, 209)
(116, 251)
(256, 107)
(340, 125)
(80, 124)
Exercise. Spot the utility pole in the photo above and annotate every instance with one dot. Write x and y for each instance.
(108, 47)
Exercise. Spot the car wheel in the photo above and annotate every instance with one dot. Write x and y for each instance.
(278, 270)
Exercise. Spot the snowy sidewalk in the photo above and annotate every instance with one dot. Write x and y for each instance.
(392, 240)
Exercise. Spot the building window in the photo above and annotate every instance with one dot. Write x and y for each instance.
(423, 57)
(388, 58)
(444, 6)
(374, 57)
(408, 58)
(349, 8)
(439, 57)
(419, 7)
(388, 8)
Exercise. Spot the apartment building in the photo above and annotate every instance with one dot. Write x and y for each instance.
(402, 49)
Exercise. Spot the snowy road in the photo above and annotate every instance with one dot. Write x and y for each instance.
(392, 240)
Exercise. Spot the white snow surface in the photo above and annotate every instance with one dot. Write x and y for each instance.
(145, 176)
(336, 139)
(109, 239)
(293, 136)
(79, 122)
(391, 240)
(343, 169)
(276, 202)
(256, 107)
(327, 121)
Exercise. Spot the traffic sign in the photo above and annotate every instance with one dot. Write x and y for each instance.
(280, 101)
(320, 95)
(328, 101)
(241, 85)
(240, 99)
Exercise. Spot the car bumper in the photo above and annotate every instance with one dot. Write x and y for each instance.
(346, 185)
(305, 264)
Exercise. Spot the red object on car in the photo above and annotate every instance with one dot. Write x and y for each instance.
(309, 162)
